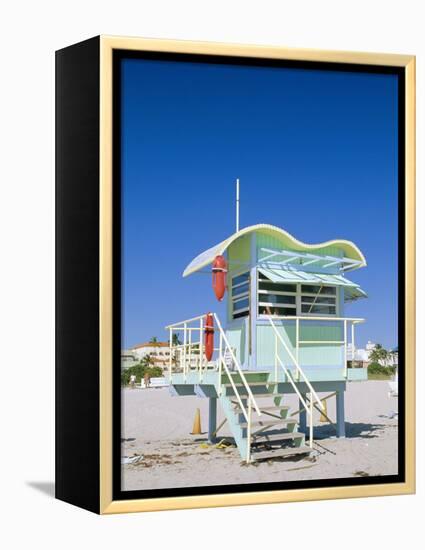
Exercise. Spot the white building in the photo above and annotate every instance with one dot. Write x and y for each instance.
(363, 355)
(128, 359)
(359, 353)
(158, 351)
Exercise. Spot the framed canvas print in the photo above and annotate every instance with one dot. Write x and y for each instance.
(235, 274)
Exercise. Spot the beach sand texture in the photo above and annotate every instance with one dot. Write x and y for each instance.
(157, 426)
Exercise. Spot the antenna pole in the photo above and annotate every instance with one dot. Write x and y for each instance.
(237, 205)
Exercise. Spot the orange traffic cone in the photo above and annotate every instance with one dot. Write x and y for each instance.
(196, 430)
(323, 418)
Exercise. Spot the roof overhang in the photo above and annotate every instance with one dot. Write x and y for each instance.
(349, 249)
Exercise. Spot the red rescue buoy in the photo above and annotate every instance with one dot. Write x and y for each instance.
(219, 273)
(209, 336)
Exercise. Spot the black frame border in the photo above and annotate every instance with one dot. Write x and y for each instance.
(118, 494)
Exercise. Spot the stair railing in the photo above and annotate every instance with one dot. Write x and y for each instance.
(183, 354)
(301, 375)
(246, 410)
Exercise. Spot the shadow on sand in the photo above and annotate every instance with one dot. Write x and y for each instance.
(325, 431)
(352, 430)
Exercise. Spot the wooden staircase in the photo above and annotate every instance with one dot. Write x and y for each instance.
(259, 420)
(274, 433)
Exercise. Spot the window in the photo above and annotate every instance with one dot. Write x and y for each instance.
(319, 289)
(240, 290)
(321, 310)
(240, 296)
(318, 300)
(279, 311)
(276, 298)
(239, 279)
(276, 287)
(291, 299)
(241, 314)
(240, 304)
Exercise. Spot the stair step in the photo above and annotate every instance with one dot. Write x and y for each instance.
(274, 408)
(263, 394)
(262, 437)
(263, 423)
(249, 374)
(268, 394)
(250, 384)
(279, 453)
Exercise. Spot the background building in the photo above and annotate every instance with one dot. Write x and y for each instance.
(158, 351)
(128, 359)
(362, 355)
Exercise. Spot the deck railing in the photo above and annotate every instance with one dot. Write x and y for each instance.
(345, 321)
(194, 348)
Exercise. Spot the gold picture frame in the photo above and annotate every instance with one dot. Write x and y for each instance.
(107, 46)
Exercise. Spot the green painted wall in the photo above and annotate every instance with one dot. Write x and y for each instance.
(238, 251)
(357, 374)
(309, 355)
(265, 240)
(320, 330)
(236, 337)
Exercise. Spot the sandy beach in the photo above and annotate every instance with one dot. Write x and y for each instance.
(157, 426)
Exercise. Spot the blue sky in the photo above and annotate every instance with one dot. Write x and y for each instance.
(316, 153)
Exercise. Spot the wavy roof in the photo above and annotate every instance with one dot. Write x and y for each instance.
(288, 241)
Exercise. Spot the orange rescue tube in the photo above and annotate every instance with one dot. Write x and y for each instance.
(209, 336)
(219, 273)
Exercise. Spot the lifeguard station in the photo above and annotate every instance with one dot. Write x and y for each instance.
(285, 332)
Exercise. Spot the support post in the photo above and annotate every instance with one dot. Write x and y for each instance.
(248, 432)
(275, 358)
(297, 347)
(345, 349)
(201, 346)
(220, 364)
(253, 308)
(237, 205)
(212, 419)
(303, 415)
(340, 413)
(311, 423)
(170, 364)
(184, 350)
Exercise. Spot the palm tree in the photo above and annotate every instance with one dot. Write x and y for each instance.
(147, 360)
(379, 355)
(176, 340)
(153, 340)
(393, 356)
